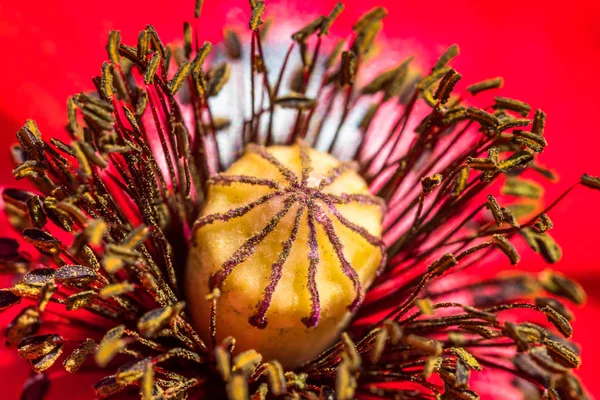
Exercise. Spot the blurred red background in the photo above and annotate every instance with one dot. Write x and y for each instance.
(548, 53)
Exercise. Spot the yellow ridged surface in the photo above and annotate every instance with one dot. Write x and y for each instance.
(285, 338)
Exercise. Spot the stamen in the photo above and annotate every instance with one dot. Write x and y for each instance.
(257, 11)
(504, 103)
(446, 57)
(198, 8)
(337, 10)
(493, 83)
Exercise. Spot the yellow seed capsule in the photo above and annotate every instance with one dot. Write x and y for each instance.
(291, 238)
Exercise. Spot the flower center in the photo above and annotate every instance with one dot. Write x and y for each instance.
(287, 243)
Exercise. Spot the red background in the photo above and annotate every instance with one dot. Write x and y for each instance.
(548, 52)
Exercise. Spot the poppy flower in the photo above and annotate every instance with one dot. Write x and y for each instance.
(312, 217)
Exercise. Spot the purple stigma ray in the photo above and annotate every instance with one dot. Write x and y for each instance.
(228, 180)
(287, 173)
(258, 319)
(247, 249)
(235, 212)
(313, 257)
(336, 172)
(364, 199)
(338, 247)
(372, 240)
